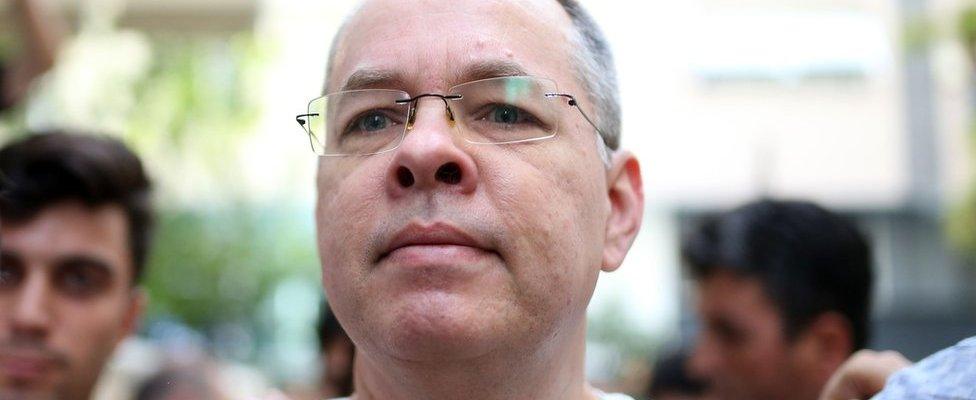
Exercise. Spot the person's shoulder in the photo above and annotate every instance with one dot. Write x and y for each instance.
(948, 374)
(614, 396)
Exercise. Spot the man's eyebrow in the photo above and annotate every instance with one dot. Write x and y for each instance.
(372, 79)
(388, 79)
(491, 69)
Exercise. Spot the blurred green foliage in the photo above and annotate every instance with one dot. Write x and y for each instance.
(961, 220)
(967, 30)
(610, 326)
(201, 86)
(209, 268)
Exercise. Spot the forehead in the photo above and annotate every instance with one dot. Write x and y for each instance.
(428, 45)
(71, 229)
(735, 296)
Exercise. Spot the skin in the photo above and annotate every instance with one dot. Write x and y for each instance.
(744, 353)
(42, 32)
(863, 375)
(66, 292)
(504, 317)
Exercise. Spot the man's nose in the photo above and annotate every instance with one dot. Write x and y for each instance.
(31, 314)
(703, 360)
(430, 156)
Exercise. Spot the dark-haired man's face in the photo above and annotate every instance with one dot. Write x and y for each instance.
(66, 299)
(742, 350)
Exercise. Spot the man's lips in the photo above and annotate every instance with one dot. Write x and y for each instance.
(433, 242)
(27, 365)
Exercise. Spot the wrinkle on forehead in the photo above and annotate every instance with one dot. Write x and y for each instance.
(385, 34)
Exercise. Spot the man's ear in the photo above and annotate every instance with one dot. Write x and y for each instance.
(626, 194)
(829, 341)
(133, 312)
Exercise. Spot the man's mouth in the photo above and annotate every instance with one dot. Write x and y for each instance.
(28, 365)
(433, 243)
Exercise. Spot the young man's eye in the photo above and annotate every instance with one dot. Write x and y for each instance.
(81, 279)
(11, 272)
(727, 334)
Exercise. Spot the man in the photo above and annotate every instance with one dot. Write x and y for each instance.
(467, 199)
(671, 381)
(783, 293)
(76, 222)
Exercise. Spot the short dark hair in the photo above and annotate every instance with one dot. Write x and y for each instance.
(47, 168)
(670, 376)
(808, 260)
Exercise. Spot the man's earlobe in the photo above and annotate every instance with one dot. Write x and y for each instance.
(831, 341)
(626, 193)
(138, 298)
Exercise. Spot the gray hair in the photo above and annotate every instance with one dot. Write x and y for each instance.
(594, 69)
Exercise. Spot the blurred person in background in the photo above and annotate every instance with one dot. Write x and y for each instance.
(40, 32)
(671, 380)
(76, 230)
(467, 201)
(179, 384)
(336, 352)
(783, 295)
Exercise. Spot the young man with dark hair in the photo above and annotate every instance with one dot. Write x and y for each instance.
(76, 227)
(784, 296)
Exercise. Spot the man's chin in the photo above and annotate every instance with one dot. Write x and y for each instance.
(25, 391)
(439, 326)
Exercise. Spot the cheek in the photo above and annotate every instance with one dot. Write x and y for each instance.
(347, 205)
(346, 213)
(89, 331)
(552, 217)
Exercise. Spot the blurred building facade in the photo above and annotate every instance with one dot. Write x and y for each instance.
(861, 105)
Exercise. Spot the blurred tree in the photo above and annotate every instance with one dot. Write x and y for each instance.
(961, 221)
(213, 268)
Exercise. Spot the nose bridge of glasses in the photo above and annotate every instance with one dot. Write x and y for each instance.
(414, 104)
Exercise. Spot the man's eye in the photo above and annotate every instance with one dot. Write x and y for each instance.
(11, 273)
(508, 116)
(728, 335)
(81, 280)
(505, 114)
(371, 122)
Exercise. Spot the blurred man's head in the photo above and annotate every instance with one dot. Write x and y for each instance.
(476, 233)
(784, 296)
(671, 380)
(76, 222)
(336, 352)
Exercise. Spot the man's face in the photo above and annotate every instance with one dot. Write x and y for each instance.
(505, 256)
(66, 299)
(742, 349)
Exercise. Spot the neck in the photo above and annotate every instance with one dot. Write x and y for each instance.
(553, 370)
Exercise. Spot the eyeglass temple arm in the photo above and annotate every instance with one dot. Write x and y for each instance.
(574, 103)
(300, 118)
(301, 121)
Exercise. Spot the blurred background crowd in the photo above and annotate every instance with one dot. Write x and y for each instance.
(864, 106)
